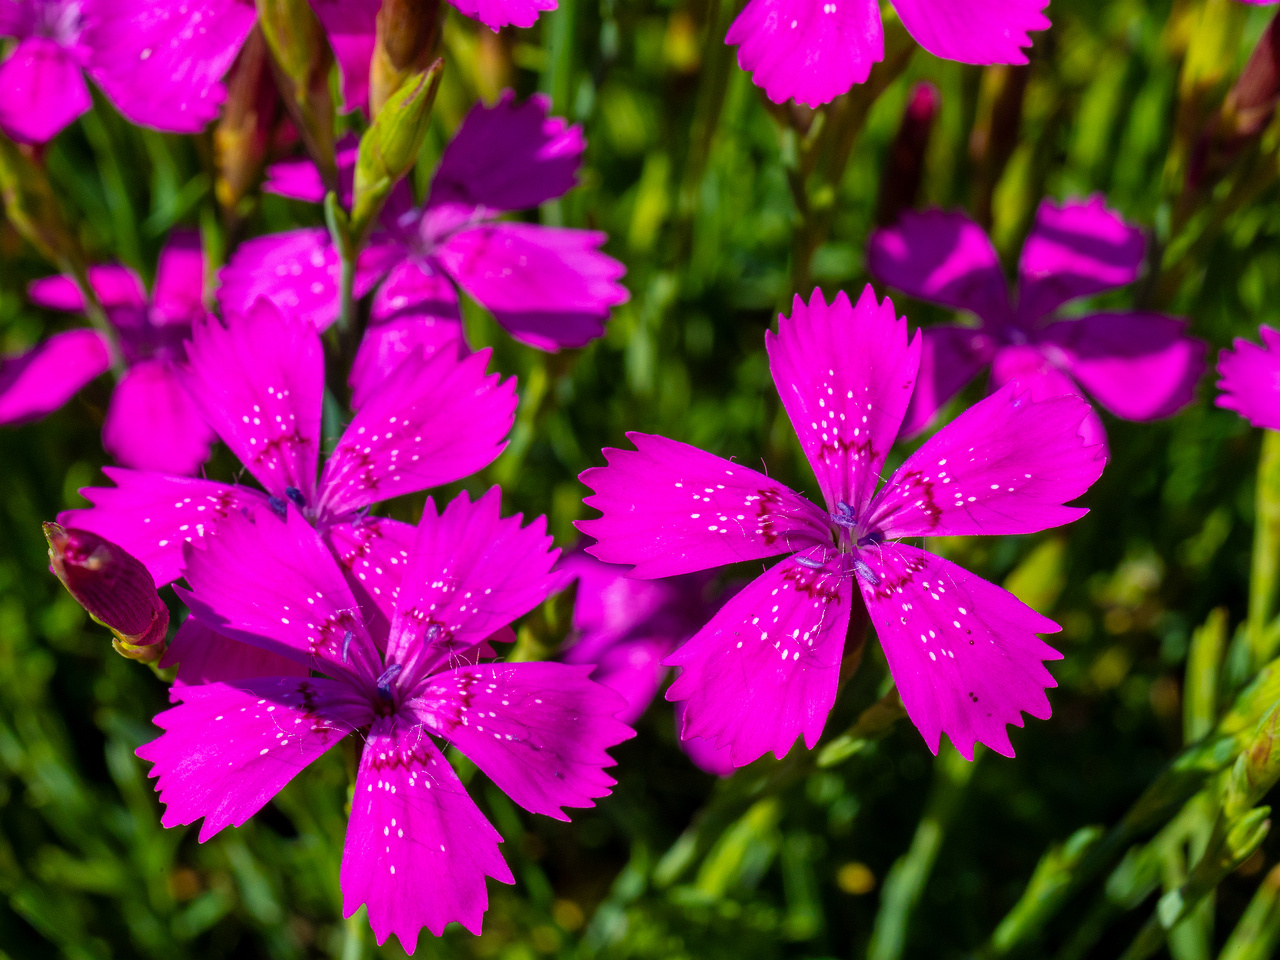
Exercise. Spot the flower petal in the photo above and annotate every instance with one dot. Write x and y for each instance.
(942, 257)
(670, 508)
(1004, 466)
(151, 515)
(496, 14)
(1075, 249)
(963, 652)
(350, 26)
(41, 91)
(37, 382)
(846, 404)
(1250, 381)
(949, 358)
(765, 669)
(259, 382)
(434, 420)
(706, 756)
(1032, 367)
(510, 156)
(203, 656)
(807, 50)
(374, 552)
(418, 848)
(178, 297)
(114, 285)
(1140, 366)
(229, 748)
(153, 424)
(979, 31)
(539, 731)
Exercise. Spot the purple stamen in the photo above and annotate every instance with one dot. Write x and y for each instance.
(864, 572)
(810, 563)
(844, 515)
(295, 496)
(388, 677)
(278, 506)
(346, 644)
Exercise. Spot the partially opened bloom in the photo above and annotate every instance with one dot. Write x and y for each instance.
(1138, 365)
(1250, 379)
(151, 423)
(417, 849)
(963, 652)
(259, 382)
(814, 50)
(549, 287)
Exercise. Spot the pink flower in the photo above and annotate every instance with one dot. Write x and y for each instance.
(815, 50)
(963, 652)
(549, 287)
(418, 849)
(1140, 366)
(151, 423)
(1250, 381)
(259, 382)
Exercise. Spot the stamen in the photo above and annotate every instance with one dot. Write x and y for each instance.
(295, 496)
(809, 562)
(346, 644)
(871, 539)
(278, 506)
(432, 633)
(388, 677)
(865, 572)
(844, 515)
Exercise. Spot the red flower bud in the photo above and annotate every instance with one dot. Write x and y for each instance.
(114, 587)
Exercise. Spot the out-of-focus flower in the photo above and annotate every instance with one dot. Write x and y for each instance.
(1140, 366)
(114, 587)
(549, 287)
(904, 166)
(418, 849)
(814, 50)
(625, 627)
(151, 423)
(1250, 379)
(963, 652)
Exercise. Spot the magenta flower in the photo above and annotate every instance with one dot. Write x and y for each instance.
(1140, 366)
(625, 627)
(417, 849)
(549, 287)
(259, 383)
(1250, 381)
(814, 50)
(151, 423)
(963, 652)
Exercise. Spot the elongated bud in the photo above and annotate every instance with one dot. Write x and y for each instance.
(1256, 769)
(241, 137)
(391, 144)
(407, 37)
(905, 167)
(302, 59)
(114, 587)
(33, 208)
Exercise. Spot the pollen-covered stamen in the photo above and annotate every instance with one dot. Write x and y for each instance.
(295, 497)
(809, 562)
(278, 506)
(386, 679)
(865, 573)
(346, 644)
(844, 515)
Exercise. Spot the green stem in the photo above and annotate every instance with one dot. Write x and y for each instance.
(1264, 576)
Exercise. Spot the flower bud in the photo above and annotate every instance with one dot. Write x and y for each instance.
(242, 135)
(114, 587)
(408, 34)
(905, 168)
(303, 57)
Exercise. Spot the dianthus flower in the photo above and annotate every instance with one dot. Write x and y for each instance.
(815, 50)
(1138, 365)
(151, 423)
(550, 287)
(963, 652)
(418, 849)
(1250, 379)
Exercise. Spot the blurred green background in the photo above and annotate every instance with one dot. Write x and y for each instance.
(722, 207)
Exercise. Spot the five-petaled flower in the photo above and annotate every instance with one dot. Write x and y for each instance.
(963, 652)
(417, 849)
(1140, 366)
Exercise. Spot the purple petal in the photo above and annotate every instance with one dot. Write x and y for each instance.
(963, 652)
(153, 424)
(418, 848)
(1250, 381)
(670, 508)
(432, 421)
(942, 257)
(350, 25)
(496, 14)
(151, 515)
(206, 656)
(539, 731)
(510, 156)
(178, 297)
(631, 667)
(471, 572)
(115, 286)
(160, 63)
(1004, 466)
(807, 50)
(374, 552)
(229, 748)
(259, 382)
(549, 287)
(845, 402)
(41, 380)
(949, 358)
(765, 669)
(1032, 367)
(1075, 249)
(1140, 366)
(706, 756)
(386, 345)
(41, 91)
(17, 18)
(275, 584)
(298, 179)
(979, 31)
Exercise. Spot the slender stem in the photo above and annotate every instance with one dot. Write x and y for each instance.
(347, 313)
(1264, 577)
(97, 316)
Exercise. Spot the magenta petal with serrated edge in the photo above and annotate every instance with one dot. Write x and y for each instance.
(496, 14)
(950, 357)
(979, 31)
(1250, 379)
(203, 655)
(152, 422)
(374, 552)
